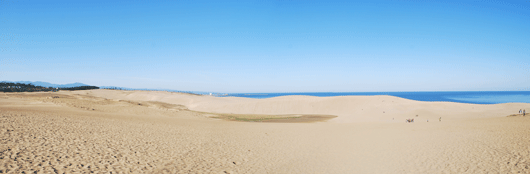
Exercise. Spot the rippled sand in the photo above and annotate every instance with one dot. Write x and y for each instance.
(105, 131)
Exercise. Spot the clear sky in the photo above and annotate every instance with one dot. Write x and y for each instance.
(269, 46)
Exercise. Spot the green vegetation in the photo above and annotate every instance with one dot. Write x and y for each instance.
(80, 88)
(21, 87)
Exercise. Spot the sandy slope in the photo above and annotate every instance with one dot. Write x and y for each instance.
(86, 131)
(348, 108)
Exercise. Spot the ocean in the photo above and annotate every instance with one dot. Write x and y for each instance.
(474, 97)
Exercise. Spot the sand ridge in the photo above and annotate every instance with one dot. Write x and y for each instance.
(349, 109)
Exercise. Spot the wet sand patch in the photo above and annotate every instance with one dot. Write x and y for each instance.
(290, 118)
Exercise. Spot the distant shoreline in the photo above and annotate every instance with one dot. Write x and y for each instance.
(472, 97)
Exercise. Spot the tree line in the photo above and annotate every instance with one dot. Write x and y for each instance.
(21, 87)
(115, 88)
(129, 89)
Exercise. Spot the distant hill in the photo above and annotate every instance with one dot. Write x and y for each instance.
(46, 84)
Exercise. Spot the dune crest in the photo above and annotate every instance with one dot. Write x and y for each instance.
(349, 109)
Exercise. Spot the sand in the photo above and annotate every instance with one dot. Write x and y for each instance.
(104, 131)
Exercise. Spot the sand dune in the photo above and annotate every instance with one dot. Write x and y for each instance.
(105, 131)
(348, 108)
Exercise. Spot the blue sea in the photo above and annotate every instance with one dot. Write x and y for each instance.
(475, 97)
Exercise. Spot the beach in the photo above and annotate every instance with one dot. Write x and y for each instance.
(104, 131)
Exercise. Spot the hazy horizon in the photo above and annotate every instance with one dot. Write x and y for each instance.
(269, 46)
(165, 89)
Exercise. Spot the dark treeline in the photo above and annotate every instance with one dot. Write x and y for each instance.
(21, 87)
(80, 88)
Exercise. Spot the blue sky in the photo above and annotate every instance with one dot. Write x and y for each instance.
(269, 46)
